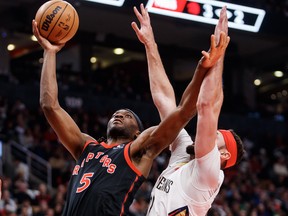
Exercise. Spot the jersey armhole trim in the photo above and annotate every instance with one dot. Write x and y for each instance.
(128, 160)
(88, 142)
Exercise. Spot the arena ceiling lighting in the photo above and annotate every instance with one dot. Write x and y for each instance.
(208, 11)
(118, 3)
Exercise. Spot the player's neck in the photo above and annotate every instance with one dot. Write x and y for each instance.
(117, 140)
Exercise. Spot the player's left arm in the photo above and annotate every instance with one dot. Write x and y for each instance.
(161, 89)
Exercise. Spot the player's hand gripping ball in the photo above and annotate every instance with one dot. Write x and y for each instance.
(57, 21)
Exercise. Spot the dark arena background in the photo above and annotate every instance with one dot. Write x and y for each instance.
(35, 167)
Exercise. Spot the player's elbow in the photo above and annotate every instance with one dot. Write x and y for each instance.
(204, 105)
(48, 105)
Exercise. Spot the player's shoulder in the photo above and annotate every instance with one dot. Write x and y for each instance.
(87, 137)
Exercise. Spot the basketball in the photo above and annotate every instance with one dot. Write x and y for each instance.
(57, 21)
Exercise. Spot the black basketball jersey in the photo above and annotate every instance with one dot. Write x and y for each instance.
(103, 183)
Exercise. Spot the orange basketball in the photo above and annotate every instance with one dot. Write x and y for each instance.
(57, 21)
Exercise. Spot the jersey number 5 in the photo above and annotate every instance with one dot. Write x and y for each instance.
(85, 180)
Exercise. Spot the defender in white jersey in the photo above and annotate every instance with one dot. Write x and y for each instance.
(173, 194)
(188, 186)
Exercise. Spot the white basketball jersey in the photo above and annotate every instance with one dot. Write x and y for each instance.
(183, 189)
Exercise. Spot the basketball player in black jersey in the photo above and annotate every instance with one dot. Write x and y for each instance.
(107, 175)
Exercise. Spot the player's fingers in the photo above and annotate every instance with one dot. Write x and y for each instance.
(147, 14)
(223, 11)
(35, 29)
(221, 15)
(33, 26)
(205, 54)
(225, 23)
(143, 11)
(137, 31)
(213, 42)
(227, 41)
(135, 27)
(137, 13)
(222, 41)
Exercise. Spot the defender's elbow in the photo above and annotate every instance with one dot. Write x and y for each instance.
(204, 105)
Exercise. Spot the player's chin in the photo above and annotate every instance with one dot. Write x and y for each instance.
(117, 124)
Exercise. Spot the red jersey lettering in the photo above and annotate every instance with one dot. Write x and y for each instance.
(82, 164)
(103, 158)
(111, 169)
(106, 162)
(76, 170)
(99, 154)
(90, 156)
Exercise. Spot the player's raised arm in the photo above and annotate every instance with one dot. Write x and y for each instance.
(62, 123)
(161, 89)
(211, 96)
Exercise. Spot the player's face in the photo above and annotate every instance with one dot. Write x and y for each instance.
(122, 123)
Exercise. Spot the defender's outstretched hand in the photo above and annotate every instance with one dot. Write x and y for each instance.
(222, 24)
(216, 51)
(219, 41)
(45, 44)
(145, 32)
